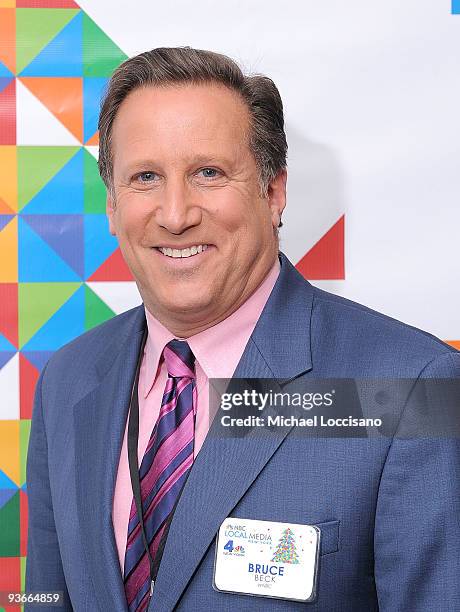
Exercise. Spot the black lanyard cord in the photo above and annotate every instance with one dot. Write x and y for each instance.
(133, 437)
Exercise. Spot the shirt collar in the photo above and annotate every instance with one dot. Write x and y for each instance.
(217, 349)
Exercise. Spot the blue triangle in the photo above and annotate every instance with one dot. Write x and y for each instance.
(63, 193)
(6, 483)
(24, 487)
(65, 325)
(38, 262)
(38, 358)
(64, 233)
(5, 345)
(4, 71)
(93, 88)
(99, 243)
(5, 496)
(4, 220)
(62, 56)
(4, 82)
(6, 353)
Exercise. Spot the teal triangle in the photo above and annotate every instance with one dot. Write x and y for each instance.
(63, 233)
(65, 325)
(99, 243)
(63, 55)
(6, 483)
(4, 71)
(5, 345)
(38, 262)
(63, 194)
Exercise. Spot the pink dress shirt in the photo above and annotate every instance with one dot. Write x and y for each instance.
(217, 350)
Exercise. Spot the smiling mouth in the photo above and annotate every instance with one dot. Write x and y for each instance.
(183, 253)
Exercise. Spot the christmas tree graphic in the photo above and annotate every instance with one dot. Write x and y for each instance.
(286, 551)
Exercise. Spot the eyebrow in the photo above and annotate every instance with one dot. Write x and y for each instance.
(198, 160)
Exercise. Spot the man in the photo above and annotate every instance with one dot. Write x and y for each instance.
(193, 154)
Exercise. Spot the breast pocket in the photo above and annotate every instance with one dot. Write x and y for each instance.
(329, 537)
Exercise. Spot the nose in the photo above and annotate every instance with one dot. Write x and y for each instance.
(178, 209)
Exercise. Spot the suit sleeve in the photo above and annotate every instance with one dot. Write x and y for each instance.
(43, 567)
(417, 520)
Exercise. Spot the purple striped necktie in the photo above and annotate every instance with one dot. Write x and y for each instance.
(164, 469)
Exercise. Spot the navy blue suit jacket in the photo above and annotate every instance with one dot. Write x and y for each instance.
(388, 509)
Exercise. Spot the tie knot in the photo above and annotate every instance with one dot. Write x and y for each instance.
(179, 359)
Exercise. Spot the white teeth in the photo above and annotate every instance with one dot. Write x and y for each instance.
(194, 250)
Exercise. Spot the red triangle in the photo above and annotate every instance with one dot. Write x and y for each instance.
(10, 576)
(23, 521)
(326, 259)
(9, 312)
(46, 4)
(8, 114)
(113, 269)
(28, 376)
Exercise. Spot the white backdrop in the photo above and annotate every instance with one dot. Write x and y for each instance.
(371, 90)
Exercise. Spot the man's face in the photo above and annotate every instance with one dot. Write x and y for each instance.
(184, 177)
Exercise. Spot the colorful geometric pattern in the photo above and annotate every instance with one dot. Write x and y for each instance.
(61, 272)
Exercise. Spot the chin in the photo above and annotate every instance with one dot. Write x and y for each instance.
(183, 305)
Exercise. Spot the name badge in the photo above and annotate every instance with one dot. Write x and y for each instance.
(267, 559)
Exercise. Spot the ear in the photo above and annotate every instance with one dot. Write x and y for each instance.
(110, 210)
(276, 196)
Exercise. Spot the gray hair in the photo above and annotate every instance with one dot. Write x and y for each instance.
(172, 65)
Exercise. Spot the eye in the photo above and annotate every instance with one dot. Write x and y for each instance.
(210, 173)
(145, 177)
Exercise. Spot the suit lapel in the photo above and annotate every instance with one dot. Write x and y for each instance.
(100, 420)
(224, 469)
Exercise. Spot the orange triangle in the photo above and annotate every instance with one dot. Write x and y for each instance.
(8, 38)
(326, 259)
(4, 209)
(63, 96)
(454, 343)
(94, 140)
(113, 269)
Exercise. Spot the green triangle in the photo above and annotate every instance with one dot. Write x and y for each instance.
(35, 28)
(24, 433)
(37, 166)
(38, 302)
(96, 311)
(23, 573)
(9, 533)
(94, 188)
(100, 54)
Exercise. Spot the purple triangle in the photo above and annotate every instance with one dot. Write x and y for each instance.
(4, 82)
(5, 356)
(64, 234)
(38, 358)
(4, 220)
(6, 495)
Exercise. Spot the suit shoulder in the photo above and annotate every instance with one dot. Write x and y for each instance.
(346, 317)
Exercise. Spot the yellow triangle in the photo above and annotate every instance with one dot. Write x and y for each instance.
(9, 177)
(9, 252)
(9, 450)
